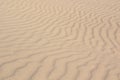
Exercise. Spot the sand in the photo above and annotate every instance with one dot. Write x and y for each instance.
(59, 40)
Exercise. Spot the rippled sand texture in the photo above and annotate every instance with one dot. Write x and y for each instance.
(59, 40)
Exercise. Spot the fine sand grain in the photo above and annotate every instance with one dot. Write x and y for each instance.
(59, 39)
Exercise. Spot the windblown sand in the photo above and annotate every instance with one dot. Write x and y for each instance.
(59, 40)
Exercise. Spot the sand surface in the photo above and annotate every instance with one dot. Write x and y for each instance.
(59, 39)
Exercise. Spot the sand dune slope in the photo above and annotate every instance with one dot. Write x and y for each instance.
(59, 40)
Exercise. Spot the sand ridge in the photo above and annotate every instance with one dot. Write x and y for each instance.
(59, 40)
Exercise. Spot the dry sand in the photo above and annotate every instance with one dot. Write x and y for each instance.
(59, 40)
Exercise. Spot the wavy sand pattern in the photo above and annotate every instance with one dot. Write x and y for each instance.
(59, 40)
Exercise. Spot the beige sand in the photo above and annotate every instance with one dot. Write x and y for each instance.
(59, 40)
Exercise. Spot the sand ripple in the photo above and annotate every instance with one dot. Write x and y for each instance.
(59, 40)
